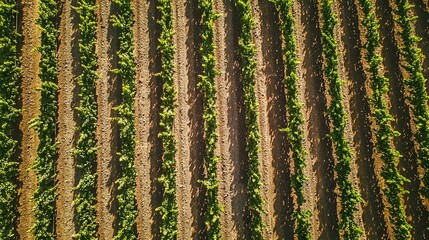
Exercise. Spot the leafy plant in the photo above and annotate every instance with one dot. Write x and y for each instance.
(350, 197)
(384, 131)
(168, 209)
(86, 149)
(46, 124)
(127, 210)
(248, 69)
(208, 87)
(295, 118)
(9, 115)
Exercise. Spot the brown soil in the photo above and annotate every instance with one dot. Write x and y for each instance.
(276, 165)
(67, 100)
(30, 99)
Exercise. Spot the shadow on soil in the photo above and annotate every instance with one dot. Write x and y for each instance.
(318, 127)
(274, 71)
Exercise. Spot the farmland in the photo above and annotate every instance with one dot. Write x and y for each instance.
(214, 119)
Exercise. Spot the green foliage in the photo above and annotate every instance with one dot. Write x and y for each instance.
(416, 87)
(350, 197)
(384, 131)
(248, 69)
(46, 124)
(168, 209)
(208, 87)
(294, 130)
(127, 210)
(86, 149)
(9, 114)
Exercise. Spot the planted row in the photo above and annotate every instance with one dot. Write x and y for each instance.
(127, 209)
(248, 68)
(208, 88)
(350, 197)
(9, 114)
(295, 118)
(86, 148)
(168, 209)
(416, 87)
(384, 132)
(46, 123)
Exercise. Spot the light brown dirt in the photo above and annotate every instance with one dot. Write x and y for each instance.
(67, 100)
(30, 99)
(107, 132)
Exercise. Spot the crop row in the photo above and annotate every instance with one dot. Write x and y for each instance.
(416, 86)
(208, 88)
(295, 118)
(248, 68)
(9, 114)
(127, 209)
(168, 208)
(46, 124)
(384, 132)
(350, 197)
(86, 148)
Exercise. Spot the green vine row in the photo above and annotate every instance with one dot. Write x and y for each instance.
(46, 124)
(168, 209)
(350, 197)
(9, 115)
(127, 208)
(384, 131)
(86, 149)
(295, 118)
(248, 68)
(208, 87)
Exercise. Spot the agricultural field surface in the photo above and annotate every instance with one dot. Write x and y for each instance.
(214, 119)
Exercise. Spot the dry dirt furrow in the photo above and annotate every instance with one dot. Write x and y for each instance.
(275, 162)
(188, 122)
(107, 90)
(321, 163)
(232, 188)
(415, 211)
(67, 98)
(146, 111)
(30, 99)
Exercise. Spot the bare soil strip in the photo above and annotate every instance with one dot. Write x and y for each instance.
(275, 160)
(67, 100)
(321, 163)
(417, 214)
(232, 169)
(107, 131)
(30, 105)
(371, 215)
(145, 47)
(188, 125)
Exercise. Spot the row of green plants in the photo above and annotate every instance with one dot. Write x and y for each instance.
(416, 86)
(247, 51)
(168, 209)
(295, 132)
(9, 115)
(126, 182)
(383, 131)
(86, 146)
(349, 196)
(207, 85)
(46, 123)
